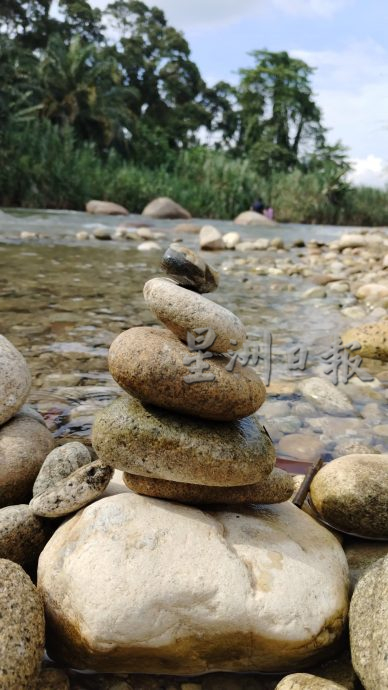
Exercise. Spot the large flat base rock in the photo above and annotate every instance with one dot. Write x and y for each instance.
(133, 583)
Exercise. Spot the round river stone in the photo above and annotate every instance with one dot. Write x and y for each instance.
(157, 443)
(150, 364)
(15, 380)
(351, 494)
(276, 488)
(22, 629)
(184, 311)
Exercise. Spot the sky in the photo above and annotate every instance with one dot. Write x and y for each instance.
(345, 40)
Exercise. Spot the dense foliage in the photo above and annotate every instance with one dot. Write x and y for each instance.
(111, 105)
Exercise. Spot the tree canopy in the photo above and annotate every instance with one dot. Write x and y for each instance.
(124, 79)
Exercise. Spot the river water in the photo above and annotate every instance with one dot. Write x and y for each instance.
(62, 301)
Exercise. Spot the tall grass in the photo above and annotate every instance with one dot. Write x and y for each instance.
(42, 166)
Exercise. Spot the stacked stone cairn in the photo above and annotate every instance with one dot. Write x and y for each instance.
(136, 584)
(187, 430)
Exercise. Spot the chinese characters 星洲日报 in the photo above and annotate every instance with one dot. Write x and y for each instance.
(340, 362)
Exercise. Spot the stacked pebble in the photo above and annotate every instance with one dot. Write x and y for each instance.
(180, 434)
(133, 583)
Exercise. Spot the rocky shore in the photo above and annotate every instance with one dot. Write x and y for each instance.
(171, 555)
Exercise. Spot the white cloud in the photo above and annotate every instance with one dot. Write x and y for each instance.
(351, 88)
(193, 14)
(321, 8)
(371, 171)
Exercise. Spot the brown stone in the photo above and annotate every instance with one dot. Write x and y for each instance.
(351, 494)
(184, 311)
(106, 208)
(158, 443)
(149, 364)
(24, 444)
(361, 554)
(368, 617)
(164, 207)
(22, 534)
(276, 488)
(373, 338)
(22, 629)
(74, 492)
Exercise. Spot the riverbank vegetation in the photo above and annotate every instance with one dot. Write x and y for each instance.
(125, 114)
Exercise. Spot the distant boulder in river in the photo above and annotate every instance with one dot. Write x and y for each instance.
(163, 207)
(106, 208)
(253, 218)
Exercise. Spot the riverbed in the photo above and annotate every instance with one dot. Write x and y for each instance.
(63, 300)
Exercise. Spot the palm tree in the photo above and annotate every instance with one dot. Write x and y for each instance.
(82, 87)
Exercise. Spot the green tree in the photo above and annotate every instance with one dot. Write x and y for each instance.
(81, 87)
(165, 86)
(80, 20)
(279, 119)
(27, 22)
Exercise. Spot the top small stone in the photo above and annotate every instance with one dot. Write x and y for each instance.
(184, 311)
(189, 270)
(15, 380)
(163, 207)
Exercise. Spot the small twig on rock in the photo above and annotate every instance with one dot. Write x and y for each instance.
(304, 488)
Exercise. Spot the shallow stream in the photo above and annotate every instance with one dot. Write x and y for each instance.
(62, 301)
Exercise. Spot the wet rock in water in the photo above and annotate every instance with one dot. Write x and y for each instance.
(301, 447)
(58, 464)
(76, 491)
(351, 240)
(381, 430)
(149, 246)
(22, 629)
(361, 554)
(22, 534)
(245, 246)
(189, 269)
(145, 233)
(53, 679)
(15, 380)
(24, 445)
(255, 597)
(152, 364)
(368, 627)
(351, 494)
(163, 207)
(231, 240)
(210, 238)
(106, 208)
(373, 338)
(352, 447)
(253, 218)
(326, 396)
(275, 488)
(316, 292)
(102, 234)
(82, 236)
(261, 244)
(184, 311)
(156, 443)
(305, 681)
(372, 292)
(187, 227)
(28, 235)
